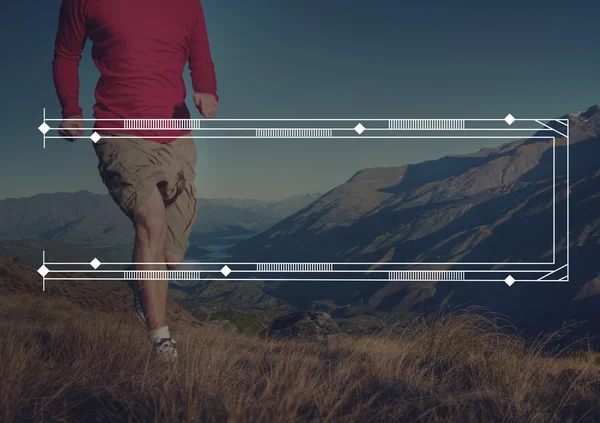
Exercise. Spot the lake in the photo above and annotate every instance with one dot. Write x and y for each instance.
(216, 247)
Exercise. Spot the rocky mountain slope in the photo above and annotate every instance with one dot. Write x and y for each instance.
(493, 205)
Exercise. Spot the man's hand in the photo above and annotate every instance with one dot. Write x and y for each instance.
(207, 104)
(71, 129)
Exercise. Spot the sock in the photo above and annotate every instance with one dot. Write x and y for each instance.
(160, 333)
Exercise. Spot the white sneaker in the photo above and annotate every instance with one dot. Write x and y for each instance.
(165, 350)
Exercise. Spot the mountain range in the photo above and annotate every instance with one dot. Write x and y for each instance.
(492, 205)
(83, 224)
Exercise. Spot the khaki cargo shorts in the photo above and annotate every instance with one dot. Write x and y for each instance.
(132, 167)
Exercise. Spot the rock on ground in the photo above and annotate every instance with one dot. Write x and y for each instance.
(303, 325)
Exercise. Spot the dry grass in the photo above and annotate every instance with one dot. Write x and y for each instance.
(58, 363)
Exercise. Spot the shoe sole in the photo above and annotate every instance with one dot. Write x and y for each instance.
(138, 308)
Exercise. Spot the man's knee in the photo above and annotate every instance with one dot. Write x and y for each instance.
(151, 220)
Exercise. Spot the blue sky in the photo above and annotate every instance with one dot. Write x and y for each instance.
(318, 59)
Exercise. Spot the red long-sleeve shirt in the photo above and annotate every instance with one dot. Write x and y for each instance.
(140, 48)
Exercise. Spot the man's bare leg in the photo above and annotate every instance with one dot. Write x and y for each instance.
(151, 228)
(150, 235)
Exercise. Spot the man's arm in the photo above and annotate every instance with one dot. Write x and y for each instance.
(69, 43)
(202, 68)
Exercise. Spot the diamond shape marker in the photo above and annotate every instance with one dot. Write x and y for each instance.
(225, 270)
(359, 128)
(43, 271)
(509, 280)
(509, 119)
(44, 128)
(95, 137)
(95, 263)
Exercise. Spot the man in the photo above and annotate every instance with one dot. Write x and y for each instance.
(140, 49)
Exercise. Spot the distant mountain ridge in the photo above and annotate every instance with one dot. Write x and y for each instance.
(94, 222)
(276, 209)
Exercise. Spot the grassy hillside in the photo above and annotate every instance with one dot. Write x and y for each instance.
(76, 354)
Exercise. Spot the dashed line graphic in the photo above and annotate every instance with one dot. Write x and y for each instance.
(294, 267)
(293, 133)
(426, 124)
(427, 275)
